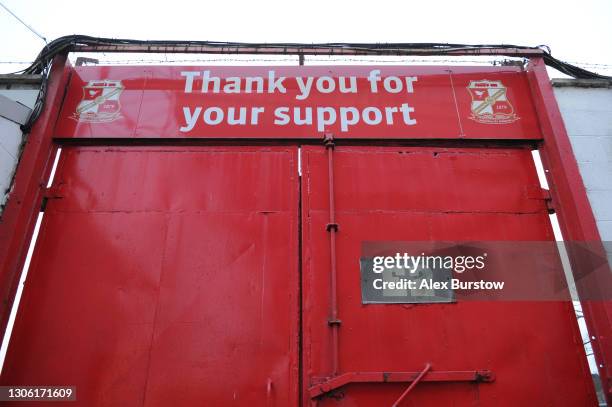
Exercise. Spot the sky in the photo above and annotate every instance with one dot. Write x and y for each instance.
(576, 32)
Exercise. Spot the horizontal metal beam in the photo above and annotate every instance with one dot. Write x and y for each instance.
(293, 50)
(399, 377)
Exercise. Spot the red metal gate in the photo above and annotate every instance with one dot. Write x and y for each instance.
(171, 273)
(422, 194)
(165, 276)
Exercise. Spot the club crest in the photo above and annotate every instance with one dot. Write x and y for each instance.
(100, 102)
(490, 104)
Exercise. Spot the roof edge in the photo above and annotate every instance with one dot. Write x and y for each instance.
(581, 83)
(20, 79)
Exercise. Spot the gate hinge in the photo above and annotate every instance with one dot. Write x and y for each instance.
(47, 195)
(539, 193)
(52, 193)
(548, 202)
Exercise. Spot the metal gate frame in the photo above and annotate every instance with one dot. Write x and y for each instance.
(569, 198)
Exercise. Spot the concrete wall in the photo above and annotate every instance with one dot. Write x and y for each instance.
(586, 107)
(17, 96)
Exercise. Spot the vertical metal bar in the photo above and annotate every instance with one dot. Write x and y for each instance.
(573, 210)
(332, 228)
(21, 211)
(412, 385)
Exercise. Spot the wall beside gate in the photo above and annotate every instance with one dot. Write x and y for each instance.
(18, 95)
(586, 107)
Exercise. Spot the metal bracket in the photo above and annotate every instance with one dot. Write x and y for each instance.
(51, 193)
(332, 322)
(548, 201)
(331, 226)
(541, 194)
(328, 140)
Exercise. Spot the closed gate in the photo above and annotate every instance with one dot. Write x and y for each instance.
(202, 243)
(163, 276)
(171, 275)
(423, 194)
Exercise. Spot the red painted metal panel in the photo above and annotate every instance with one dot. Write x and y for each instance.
(401, 194)
(165, 276)
(448, 102)
(575, 216)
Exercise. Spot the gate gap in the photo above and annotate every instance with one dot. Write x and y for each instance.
(300, 285)
(26, 267)
(299, 161)
(567, 269)
(537, 160)
(18, 294)
(55, 161)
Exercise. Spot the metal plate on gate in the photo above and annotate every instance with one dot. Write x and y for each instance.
(394, 285)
